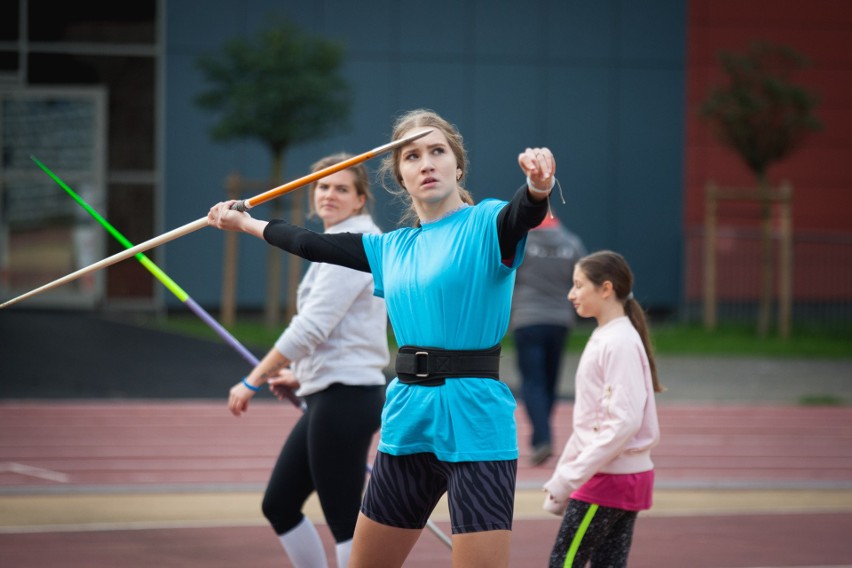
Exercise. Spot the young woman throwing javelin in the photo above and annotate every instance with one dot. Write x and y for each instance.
(448, 421)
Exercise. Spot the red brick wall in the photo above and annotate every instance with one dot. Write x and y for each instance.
(821, 170)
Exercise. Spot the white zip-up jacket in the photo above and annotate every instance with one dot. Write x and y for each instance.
(339, 334)
(615, 414)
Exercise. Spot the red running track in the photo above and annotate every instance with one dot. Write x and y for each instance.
(59, 448)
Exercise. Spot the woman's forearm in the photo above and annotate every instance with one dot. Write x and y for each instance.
(269, 366)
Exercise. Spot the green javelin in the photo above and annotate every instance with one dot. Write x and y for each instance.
(146, 262)
(160, 275)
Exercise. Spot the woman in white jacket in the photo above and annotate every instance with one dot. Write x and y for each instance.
(333, 354)
(605, 475)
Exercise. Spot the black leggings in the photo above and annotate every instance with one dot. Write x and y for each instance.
(591, 532)
(326, 452)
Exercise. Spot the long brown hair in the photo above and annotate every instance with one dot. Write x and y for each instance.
(607, 266)
(389, 167)
(359, 172)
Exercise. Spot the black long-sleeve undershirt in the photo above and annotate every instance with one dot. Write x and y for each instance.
(346, 249)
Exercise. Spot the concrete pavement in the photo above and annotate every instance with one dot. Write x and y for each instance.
(724, 379)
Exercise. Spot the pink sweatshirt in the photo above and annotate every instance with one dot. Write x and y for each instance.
(615, 414)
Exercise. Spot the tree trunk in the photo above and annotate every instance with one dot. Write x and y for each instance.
(272, 309)
(764, 312)
(294, 267)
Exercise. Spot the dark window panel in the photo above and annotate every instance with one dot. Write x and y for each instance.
(131, 211)
(8, 62)
(9, 20)
(130, 85)
(98, 22)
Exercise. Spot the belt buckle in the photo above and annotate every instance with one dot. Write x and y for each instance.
(426, 364)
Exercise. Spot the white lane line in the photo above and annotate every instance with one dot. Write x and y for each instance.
(32, 471)
(131, 526)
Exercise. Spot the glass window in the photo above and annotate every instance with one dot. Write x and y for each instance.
(131, 113)
(92, 22)
(9, 21)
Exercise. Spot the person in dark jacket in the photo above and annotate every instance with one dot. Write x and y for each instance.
(541, 323)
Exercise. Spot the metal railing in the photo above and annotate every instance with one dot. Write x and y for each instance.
(821, 277)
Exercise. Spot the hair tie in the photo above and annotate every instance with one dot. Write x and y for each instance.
(629, 296)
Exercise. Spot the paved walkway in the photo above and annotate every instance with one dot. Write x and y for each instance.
(62, 355)
(740, 380)
(116, 450)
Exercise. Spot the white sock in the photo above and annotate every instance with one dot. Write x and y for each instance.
(303, 545)
(343, 550)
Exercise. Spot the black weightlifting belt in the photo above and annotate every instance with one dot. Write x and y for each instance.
(429, 366)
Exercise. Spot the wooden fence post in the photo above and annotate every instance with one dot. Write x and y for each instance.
(229, 263)
(272, 306)
(785, 262)
(710, 307)
(766, 197)
(235, 186)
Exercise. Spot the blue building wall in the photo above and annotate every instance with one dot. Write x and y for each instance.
(601, 83)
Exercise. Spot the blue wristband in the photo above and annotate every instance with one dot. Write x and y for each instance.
(249, 386)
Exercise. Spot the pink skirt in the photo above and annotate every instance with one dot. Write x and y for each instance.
(630, 491)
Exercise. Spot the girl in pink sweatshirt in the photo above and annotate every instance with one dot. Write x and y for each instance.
(605, 475)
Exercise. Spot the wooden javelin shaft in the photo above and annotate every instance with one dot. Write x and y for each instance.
(247, 204)
(198, 224)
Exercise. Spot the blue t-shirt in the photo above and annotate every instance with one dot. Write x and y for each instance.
(445, 286)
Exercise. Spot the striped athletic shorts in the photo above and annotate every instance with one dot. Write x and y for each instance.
(403, 491)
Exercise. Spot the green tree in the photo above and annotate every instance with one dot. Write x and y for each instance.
(763, 116)
(281, 87)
